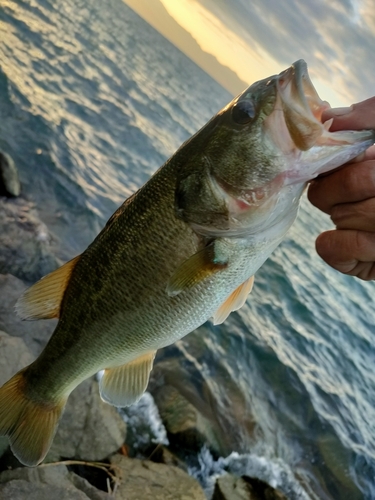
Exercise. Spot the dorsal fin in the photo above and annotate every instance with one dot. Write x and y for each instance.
(234, 302)
(124, 385)
(42, 300)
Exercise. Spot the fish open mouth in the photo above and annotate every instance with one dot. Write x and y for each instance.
(302, 106)
(295, 126)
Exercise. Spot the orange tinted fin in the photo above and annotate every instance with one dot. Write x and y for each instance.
(124, 385)
(30, 425)
(199, 266)
(234, 302)
(42, 300)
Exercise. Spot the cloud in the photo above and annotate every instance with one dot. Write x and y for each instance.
(367, 13)
(335, 37)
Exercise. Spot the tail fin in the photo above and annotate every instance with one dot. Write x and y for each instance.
(30, 425)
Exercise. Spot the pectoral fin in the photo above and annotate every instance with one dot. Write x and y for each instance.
(42, 300)
(195, 269)
(234, 302)
(124, 385)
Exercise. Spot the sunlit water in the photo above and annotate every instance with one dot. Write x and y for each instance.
(92, 102)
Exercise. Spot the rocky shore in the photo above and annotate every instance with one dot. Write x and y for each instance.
(92, 456)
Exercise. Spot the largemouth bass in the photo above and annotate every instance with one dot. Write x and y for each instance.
(181, 250)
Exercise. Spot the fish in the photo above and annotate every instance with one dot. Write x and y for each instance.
(181, 250)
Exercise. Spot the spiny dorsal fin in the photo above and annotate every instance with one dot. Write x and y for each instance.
(42, 300)
(194, 270)
(124, 385)
(234, 302)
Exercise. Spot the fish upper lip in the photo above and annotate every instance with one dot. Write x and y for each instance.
(298, 92)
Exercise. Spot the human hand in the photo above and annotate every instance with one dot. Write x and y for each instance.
(348, 196)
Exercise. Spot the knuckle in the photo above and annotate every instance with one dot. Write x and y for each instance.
(364, 244)
(360, 181)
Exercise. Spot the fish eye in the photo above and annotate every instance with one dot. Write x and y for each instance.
(243, 112)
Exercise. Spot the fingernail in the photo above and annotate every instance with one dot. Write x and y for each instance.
(340, 111)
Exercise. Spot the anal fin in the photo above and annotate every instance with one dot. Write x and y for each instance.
(42, 300)
(124, 385)
(234, 302)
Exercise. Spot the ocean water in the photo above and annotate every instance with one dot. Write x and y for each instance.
(92, 102)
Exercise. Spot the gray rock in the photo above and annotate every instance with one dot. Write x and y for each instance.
(46, 482)
(142, 479)
(9, 180)
(26, 246)
(14, 356)
(162, 455)
(89, 428)
(22, 490)
(229, 487)
(203, 394)
(35, 334)
(186, 427)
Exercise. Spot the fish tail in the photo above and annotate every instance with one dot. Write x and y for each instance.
(30, 424)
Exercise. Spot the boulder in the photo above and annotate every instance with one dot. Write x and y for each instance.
(35, 334)
(26, 246)
(212, 400)
(185, 425)
(9, 180)
(162, 455)
(15, 355)
(229, 487)
(46, 482)
(142, 479)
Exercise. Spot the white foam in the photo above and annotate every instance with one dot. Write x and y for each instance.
(273, 471)
(144, 421)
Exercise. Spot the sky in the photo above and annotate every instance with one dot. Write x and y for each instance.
(258, 38)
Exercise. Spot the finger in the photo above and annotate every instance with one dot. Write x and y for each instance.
(369, 154)
(358, 117)
(352, 183)
(360, 216)
(350, 252)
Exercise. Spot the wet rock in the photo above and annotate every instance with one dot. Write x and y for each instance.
(202, 391)
(44, 483)
(162, 455)
(35, 334)
(229, 487)
(9, 180)
(142, 479)
(337, 461)
(186, 427)
(26, 246)
(89, 428)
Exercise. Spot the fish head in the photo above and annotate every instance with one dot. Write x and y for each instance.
(248, 166)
